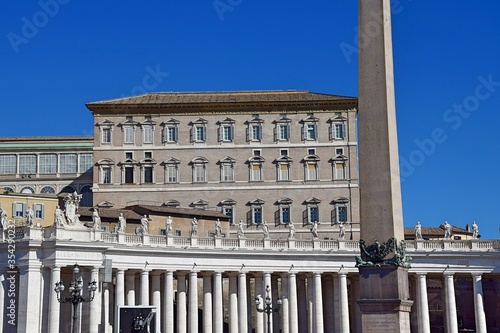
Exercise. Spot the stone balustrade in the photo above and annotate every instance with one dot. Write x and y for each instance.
(89, 235)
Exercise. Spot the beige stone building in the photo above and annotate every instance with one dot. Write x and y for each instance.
(16, 205)
(275, 156)
(47, 165)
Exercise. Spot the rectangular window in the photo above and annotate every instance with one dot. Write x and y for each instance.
(341, 214)
(339, 151)
(255, 132)
(148, 134)
(8, 164)
(256, 152)
(18, 209)
(284, 172)
(284, 152)
(129, 155)
(339, 131)
(256, 173)
(313, 214)
(68, 163)
(311, 151)
(257, 215)
(199, 173)
(311, 133)
(86, 162)
(227, 173)
(129, 175)
(148, 174)
(128, 134)
(283, 133)
(312, 171)
(27, 164)
(148, 154)
(48, 164)
(171, 174)
(227, 133)
(199, 133)
(171, 134)
(339, 171)
(228, 211)
(39, 210)
(106, 135)
(285, 215)
(106, 175)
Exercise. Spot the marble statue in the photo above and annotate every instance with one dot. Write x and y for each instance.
(3, 217)
(342, 230)
(96, 219)
(58, 217)
(291, 230)
(122, 223)
(447, 230)
(418, 231)
(475, 230)
(144, 225)
(314, 230)
(265, 229)
(218, 228)
(241, 231)
(194, 227)
(30, 216)
(71, 205)
(168, 225)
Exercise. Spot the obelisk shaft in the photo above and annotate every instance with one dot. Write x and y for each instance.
(383, 297)
(380, 190)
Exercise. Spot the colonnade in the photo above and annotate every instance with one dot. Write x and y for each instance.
(220, 301)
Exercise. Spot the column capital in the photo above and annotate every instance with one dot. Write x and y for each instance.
(477, 274)
(448, 273)
(420, 274)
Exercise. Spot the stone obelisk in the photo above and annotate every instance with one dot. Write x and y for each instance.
(382, 266)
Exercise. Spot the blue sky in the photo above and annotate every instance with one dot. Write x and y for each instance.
(60, 54)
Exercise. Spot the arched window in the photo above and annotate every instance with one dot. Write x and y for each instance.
(48, 190)
(28, 190)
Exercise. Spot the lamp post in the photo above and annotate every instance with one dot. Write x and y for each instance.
(75, 294)
(268, 307)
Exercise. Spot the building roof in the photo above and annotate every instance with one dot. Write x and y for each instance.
(109, 213)
(46, 142)
(46, 138)
(165, 210)
(437, 231)
(252, 98)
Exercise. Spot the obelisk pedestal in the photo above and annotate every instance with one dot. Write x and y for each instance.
(383, 268)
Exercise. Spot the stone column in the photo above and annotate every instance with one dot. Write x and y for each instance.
(218, 307)
(302, 304)
(242, 303)
(328, 307)
(144, 287)
(207, 303)
(384, 309)
(181, 303)
(259, 294)
(292, 294)
(95, 305)
(28, 312)
(120, 288)
(168, 313)
(193, 302)
(318, 304)
(233, 303)
(480, 315)
(450, 303)
(310, 303)
(156, 294)
(105, 305)
(130, 285)
(54, 306)
(424, 325)
(344, 303)
(285, 306)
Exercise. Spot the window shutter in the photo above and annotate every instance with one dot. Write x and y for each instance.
(231, 129)
(192, 133)
(304, 132)
(220, 132)
(277, 218)
(204, 133)
(316, 133)
(248, 133)
(276, 133)
(176, 134)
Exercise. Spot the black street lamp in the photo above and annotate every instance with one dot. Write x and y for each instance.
(268, 307)
(75, 294)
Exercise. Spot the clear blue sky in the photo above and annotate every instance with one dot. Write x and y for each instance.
(58, 55)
